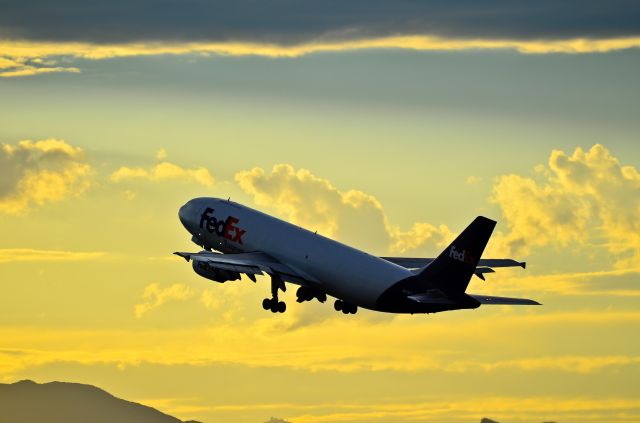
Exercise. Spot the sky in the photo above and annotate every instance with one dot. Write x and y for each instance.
(385, 125)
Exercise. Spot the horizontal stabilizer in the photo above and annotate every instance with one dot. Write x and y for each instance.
(419, 262)
(485, 299)
(480, 270)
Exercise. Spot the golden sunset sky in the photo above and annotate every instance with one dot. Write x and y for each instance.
(385, 125)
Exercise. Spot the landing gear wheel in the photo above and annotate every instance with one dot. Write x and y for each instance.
(266, 303)
(273, 304)
(338, 305)
(345, 308)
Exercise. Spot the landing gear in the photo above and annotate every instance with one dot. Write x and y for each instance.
(273, 303)
(345, 308)
(308, 294)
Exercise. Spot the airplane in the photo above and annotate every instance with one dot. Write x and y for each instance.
(236, 240)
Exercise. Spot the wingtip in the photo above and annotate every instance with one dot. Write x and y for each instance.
(523, 264)
(185, 256)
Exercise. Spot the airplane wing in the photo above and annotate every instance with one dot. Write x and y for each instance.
(255, 263)
(484, 265)
(485, 299)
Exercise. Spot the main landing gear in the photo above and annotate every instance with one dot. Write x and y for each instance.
(346, 308)
(272, 303)
(308, 294)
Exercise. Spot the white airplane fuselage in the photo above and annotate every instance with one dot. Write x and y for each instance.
(339, 270)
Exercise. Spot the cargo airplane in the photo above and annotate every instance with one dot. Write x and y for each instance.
(253, 243)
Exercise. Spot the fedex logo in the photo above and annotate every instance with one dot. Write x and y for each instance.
(223, 228)
(461, 256)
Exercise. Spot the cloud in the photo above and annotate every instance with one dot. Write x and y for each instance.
(290, 22)
(154, 296)
(276, 420)
(34, 52)
(210, 298)
(585, 197)
(35, 173)
(350, 216)
(617, 282)
(175, 406)
(336, 345)
(6, 63)
(164, 171)
(461, 408)
(33, 70)
(26, 66)
(28, 254)
(29, 57)
(35, 38)
(573, 364)
(471, 409)
(473, 180)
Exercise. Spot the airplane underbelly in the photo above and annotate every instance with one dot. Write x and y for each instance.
(356, 277)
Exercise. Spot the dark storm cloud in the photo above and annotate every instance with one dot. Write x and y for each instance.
(296, 21)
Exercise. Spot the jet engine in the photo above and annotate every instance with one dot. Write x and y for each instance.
(205, 270)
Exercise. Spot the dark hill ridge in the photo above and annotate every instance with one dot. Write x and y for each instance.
(61, 402)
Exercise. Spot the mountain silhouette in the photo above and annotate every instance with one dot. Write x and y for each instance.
(61, 402)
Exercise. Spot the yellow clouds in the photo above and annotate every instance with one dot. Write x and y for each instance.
(50, 170)
(580, 197)
(154, 296)
(40, 172)
(351, 216)
(20, 66)
(164, 171)
(577, 364)
(35, 70)
(503, 408)
(336, 344)
(28, 254)
(459, 408)
(23, 57)
(419, 236)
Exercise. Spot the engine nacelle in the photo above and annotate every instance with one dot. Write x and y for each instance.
(210, 272)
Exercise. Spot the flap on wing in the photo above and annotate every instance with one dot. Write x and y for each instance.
(251, 263)
(486, 299)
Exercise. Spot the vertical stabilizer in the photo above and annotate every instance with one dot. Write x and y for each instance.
(451, 271)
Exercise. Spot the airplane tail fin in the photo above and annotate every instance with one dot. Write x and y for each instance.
(451, 271)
